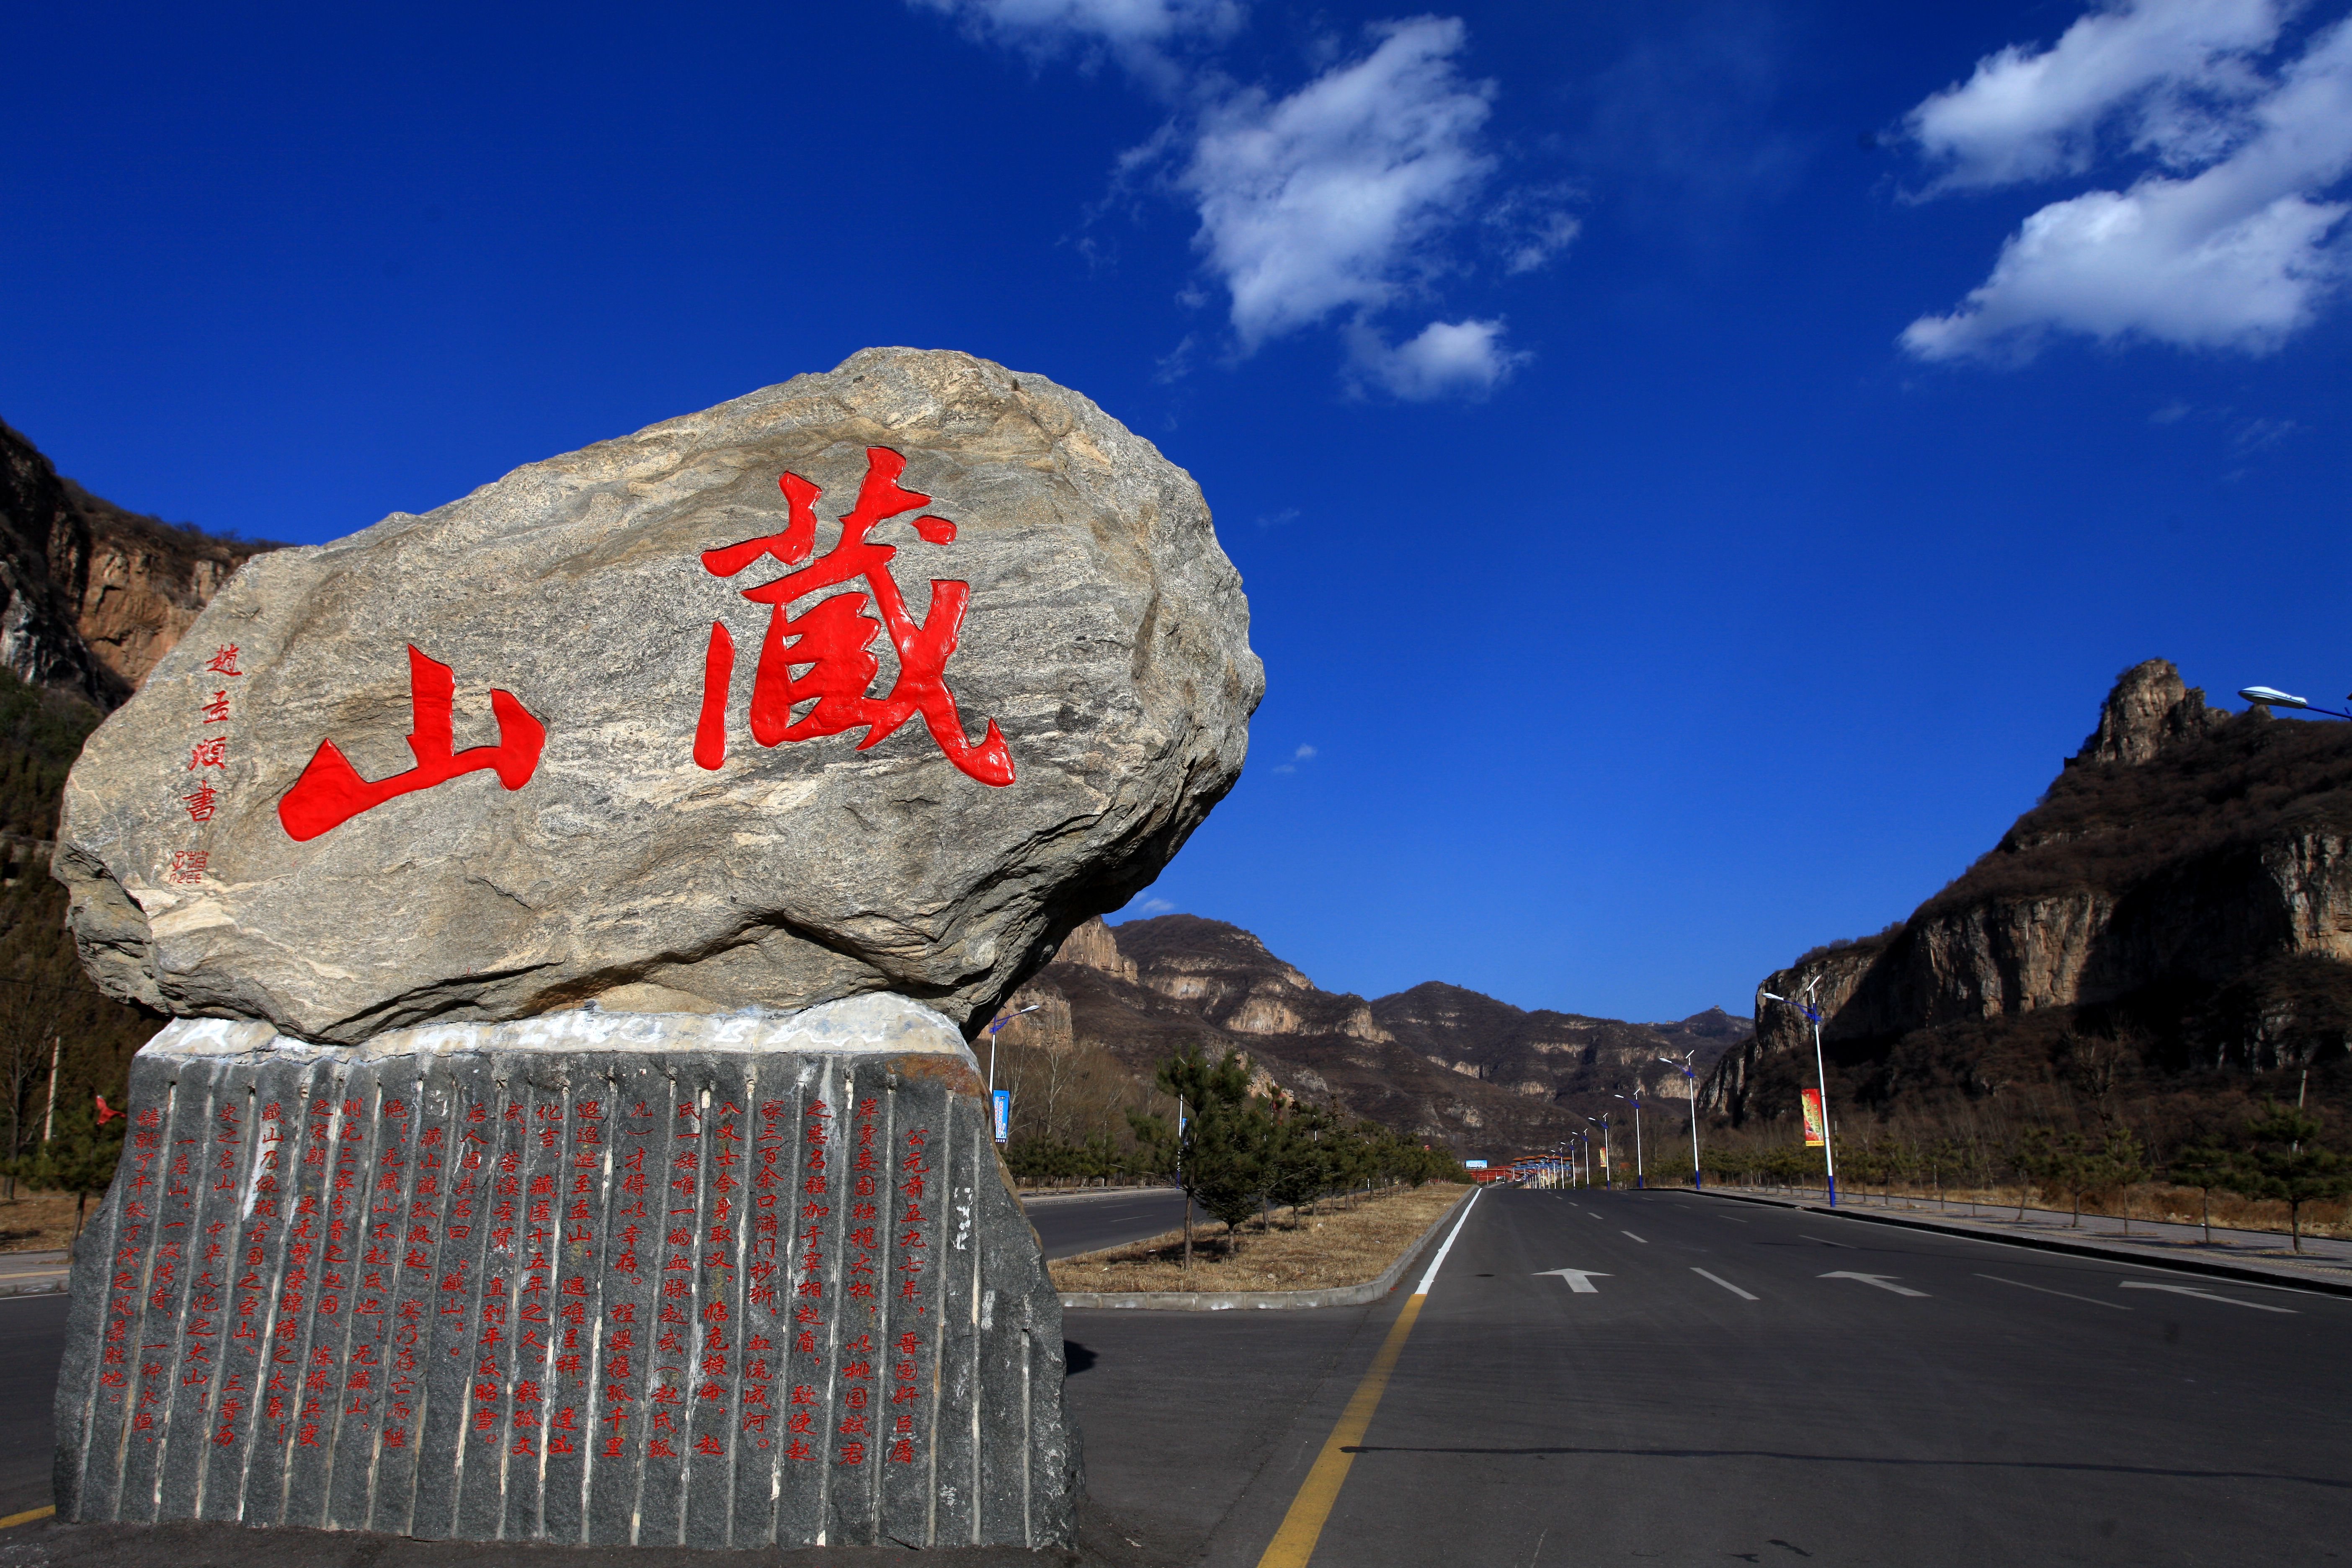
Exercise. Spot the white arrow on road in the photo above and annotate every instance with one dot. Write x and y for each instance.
(1578, 1280)
(1884, 1281)
(2203, 1295)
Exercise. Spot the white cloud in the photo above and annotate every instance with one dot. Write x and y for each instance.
(1342, 199)
(1137, 33)
(1546, 237)
(1301, 754)
(1329, 199)
(1154, 906)
(2238, 256)
(2030, 115)
(1449, 359)
(2258, 435)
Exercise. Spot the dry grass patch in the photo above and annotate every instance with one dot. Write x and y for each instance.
(1338, 1245)
(38, 1222)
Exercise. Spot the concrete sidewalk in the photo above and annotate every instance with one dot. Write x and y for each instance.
(34, 1273)
(2255, 1256)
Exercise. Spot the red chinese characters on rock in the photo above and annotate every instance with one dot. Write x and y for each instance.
(808, 1291)
(411, 1247)
(913, 1247)
(672, 1357)
(331, 792)
(832, 642)
(207, 754)
(764, 1255)
(123, 1300)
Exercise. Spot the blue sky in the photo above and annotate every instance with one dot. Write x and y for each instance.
(1696, 467)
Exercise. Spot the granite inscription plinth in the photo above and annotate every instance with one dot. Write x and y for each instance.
(595, 1278)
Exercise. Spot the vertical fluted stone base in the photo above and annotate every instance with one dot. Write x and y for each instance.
(591, 1278)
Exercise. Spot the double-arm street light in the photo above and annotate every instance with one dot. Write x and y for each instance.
(1637, 1103)
(1812, 1012)
(2272, 697)
(1684, 1068)
(1603, 1123)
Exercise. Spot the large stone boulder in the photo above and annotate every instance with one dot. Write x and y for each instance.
(535, 747)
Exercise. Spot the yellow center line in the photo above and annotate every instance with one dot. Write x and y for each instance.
(27, 1517)
(1294, 1543)
(1302, 1527)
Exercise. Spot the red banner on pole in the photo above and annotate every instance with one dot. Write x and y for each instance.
(1815, 1122)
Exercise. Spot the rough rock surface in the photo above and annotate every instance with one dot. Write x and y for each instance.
(142, 585)
(95, 593)
(2150, 708)
(42, 534)
(591, 1279)
(2188, 875)
(522, 813)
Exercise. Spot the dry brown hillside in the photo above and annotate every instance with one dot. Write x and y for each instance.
(1447, 1064)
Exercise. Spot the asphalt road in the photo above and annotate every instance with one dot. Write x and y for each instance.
(1083, 1223)
(32, 1338)
(2020, 1407)
(1978, 1402)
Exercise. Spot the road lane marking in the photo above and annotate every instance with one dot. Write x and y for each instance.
(27, 1517)
(1302, 1526)
(2203, 1295)
(1725, 1283)
(1825, 1241)
(1635, 1237)
(2045, 1289)
(1884, 1281)
(1580, 1280)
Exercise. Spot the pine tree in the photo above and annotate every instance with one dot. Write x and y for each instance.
(2286, 1161)
(2204, 1166)
(76, 1158)
(1222, 1152)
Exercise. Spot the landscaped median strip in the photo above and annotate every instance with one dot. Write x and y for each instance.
(1302, 1527)
(1229, 1301)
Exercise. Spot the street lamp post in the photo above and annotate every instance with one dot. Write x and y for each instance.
(1814, 1012)
(2272, 697)
(1637, 1103)
(1685, 1068)
(1000, 1022)
(1603, 1125)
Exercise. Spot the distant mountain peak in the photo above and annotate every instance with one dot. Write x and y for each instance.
(2150, 708)
(1440, 1061)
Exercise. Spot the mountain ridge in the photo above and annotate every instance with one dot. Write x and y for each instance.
(1439, 1061)
(2171, 921)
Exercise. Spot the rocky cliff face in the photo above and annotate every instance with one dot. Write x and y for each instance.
(1440, 1062)
(95, 594)
(45, 541)
(2183, 891)
(90, 596)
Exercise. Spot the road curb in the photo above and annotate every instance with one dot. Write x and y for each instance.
(1266, 1301)
(1044, 1194)
(2245, 1273)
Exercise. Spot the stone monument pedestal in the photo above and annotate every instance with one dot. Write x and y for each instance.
(591, 1277)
